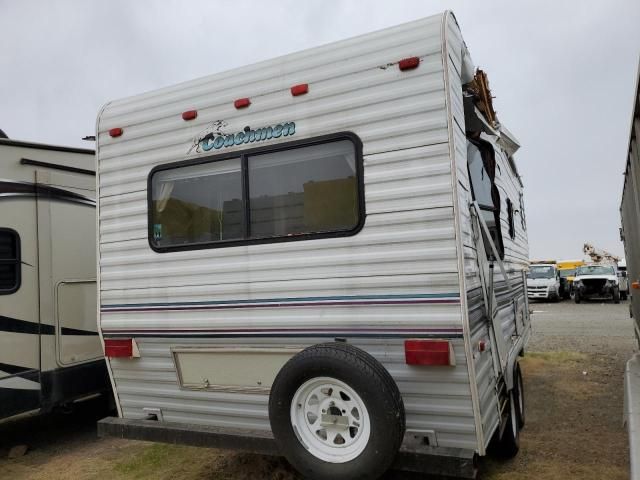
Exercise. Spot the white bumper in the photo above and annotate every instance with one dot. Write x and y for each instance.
(537, 291)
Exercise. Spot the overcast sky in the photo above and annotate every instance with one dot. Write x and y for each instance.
(563, 74)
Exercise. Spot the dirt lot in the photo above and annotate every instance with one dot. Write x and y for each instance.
(573, 380)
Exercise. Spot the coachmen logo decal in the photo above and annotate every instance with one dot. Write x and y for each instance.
(214, 136)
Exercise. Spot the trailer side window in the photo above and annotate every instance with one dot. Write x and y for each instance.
(199, 203)
(512, 226)
(523, 218)
(482, 170)
(304, 190)
(10, 262)
(260, 195)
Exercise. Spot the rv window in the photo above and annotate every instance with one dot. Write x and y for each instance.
(267, 194)
(480, 179)
(304, 190)
(482, 170)
(523, 218)
(9, 261)
(512, 227)
(196, 204)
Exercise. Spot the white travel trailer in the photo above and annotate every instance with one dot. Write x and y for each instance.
(321, 255)
(50, 352)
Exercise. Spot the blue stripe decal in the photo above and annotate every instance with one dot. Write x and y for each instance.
(434, 296)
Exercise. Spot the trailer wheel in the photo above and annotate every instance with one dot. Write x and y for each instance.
(518, 393)
(335, 412)
(509, 443)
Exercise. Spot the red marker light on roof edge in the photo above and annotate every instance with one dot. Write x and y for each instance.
(409, 63)
(242, 103)
(189, 114)
(300, 89)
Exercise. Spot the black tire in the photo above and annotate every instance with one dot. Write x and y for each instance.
(518, 394)
(576, 297)
(623, 295)
(509, 443)
(372, 383)
(616, 296)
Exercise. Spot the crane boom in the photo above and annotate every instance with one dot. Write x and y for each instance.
(599, 255)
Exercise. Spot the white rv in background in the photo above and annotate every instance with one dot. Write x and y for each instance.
(321, 256)
(50, 352)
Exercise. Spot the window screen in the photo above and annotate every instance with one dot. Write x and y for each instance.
(259, 196)
(9, 261)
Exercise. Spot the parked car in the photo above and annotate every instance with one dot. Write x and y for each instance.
(596, 281)
(543, 282)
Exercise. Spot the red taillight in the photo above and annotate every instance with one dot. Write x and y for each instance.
(635, 285)
(409, 63)
(189, 114)
(118, 347)
(242, 103)
(428, 352)
(299, 89)
(115, 132)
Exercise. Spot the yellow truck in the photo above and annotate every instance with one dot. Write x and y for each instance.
(567, 270)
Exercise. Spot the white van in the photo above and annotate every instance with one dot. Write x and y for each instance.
(321, 255)
(50, 352)
(543, 282)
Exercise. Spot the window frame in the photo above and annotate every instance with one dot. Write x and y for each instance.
(486, 149)
(244, 172)
(511, 219)
(17, 262)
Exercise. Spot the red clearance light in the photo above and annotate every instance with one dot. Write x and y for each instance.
(118, 347)
(428, 352)
(409, 63)
(189, 114)
(115, 132)
(299, 89)
(242, 103)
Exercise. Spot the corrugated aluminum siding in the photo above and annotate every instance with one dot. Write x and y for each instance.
(407, 245)
(630, 209)
(516, 249)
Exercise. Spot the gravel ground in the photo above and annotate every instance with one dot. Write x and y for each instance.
(573, 386)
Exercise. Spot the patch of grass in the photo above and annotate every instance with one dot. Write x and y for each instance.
(151, 458)
(158, 460)
(558, 357)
